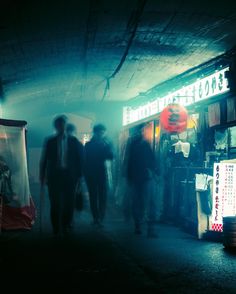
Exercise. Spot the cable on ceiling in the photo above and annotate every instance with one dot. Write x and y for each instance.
(137, 16)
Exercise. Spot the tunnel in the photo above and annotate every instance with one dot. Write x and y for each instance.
(118, 146)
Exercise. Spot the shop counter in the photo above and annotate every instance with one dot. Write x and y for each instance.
(185, 206)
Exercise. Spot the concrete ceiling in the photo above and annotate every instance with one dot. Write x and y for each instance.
(65, 51)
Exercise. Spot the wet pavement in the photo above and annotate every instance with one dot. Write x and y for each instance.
(113, 258)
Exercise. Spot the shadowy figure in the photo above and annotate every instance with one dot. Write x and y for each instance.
(61, 168)
(6, 190)
(79, 201)
(97, 151)
(141, 168)
(71, 129)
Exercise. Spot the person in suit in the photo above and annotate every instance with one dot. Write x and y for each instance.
(71, 129)
(141, 171)
(60, 168)
(97, 151)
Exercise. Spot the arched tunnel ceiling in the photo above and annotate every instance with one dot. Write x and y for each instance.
(63, 51)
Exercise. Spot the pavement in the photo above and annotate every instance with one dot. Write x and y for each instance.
(113, 259)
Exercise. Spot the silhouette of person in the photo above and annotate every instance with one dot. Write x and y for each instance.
(61, 168)
(71, 129)
(6, 190)
(141, 168)
(97, 151)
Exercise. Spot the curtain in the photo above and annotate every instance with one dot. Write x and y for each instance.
(231, 111)
(18, 210)
(214, 114)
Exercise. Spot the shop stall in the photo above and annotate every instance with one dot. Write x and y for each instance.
(17, 208)
(186, 159)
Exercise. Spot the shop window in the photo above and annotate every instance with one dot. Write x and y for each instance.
(221, 139)
(225, 142)
(232, 139)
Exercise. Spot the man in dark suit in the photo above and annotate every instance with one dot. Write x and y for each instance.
(141, 170)
(97, 151)
(61, 167)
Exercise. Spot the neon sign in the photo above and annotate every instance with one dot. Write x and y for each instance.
(200, 90)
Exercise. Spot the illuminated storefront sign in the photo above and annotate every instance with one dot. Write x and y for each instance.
(224, 194)
(200, 90)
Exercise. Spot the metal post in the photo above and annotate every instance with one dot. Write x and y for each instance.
(41, 209)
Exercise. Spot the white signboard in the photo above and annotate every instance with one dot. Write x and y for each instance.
(200, 90)
(224, 194)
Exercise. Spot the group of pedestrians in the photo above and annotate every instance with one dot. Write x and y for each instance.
(65, 161)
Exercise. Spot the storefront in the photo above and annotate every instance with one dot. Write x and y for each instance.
(210, 137)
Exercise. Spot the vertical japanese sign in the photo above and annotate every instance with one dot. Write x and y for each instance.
(224, 194)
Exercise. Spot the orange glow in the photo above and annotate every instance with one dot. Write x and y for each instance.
(148, 132)
(192, 122)
(4, 136)
(157, 132)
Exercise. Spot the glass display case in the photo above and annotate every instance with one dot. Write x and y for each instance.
(18, 210)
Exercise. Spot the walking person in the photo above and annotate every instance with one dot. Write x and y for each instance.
(97, 151)
(72, 131)
(61, 168)
(141, 168)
